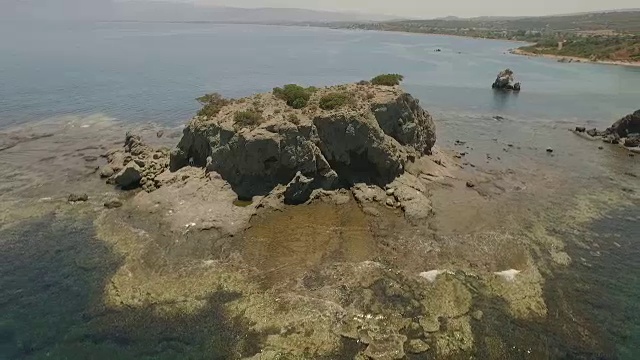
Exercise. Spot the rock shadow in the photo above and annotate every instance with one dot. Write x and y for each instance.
(52, 276)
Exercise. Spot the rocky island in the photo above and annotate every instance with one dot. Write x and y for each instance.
(317, 207)
(302, 223)
(505, 80)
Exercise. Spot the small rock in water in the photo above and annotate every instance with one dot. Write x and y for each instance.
(112, 204)
(417, 346)
(600, 147)
(160, 133)
(498, 117)
(471, 184)
(549, 150)
(106, 172)
(478, 314)
(580, 129)
(78, 197)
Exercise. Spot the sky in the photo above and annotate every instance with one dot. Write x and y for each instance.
(400, 8)
(438, 8)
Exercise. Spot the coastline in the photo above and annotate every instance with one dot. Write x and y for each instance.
(575, 59)
(516, 51)
(417, 33)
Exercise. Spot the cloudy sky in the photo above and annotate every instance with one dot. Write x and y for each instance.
(437, 8)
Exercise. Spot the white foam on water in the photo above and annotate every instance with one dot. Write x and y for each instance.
(508, 275)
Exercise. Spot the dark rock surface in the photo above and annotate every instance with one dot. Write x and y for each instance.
(136, 165)
(369, 140)
(625, 131)
(112, 204)
(505, 81)
(78, 197)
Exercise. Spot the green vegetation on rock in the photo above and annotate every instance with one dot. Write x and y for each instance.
(212, 104)
(334, 100)
(293, 118)
(295, 96)
(247, 118)
(387, 79)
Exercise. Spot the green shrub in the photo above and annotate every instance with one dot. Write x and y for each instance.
(293, 118)
(294, 95)
(387, 79)
(247, 118)
(335, 100)
(212, 104)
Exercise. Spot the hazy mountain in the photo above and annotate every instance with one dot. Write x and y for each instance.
(166, 11)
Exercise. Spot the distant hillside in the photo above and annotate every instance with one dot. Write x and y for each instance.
(623, 22)
(609, 35)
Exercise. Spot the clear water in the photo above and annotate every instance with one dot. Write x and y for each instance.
(152, 72)
(141, 72)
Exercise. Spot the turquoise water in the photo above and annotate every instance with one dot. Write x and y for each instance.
(152, 72)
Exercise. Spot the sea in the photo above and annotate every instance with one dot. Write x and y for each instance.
(136, 73)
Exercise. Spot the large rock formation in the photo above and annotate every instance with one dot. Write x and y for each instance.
(367, 139)
(505, 81)
(625, 131)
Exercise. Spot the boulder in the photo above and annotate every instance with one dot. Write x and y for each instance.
(632, 140)
(129, 177)
(133, 144)
(368, 140)
(629, 124)
(135, 165)
(106, 171)
(298, 190)
(505, 81)
(112, 204)
(611, 139)
(78, 197)
(593, 132)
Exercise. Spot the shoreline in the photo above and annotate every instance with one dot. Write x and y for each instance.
(418, 33)
(575, 59)
(516, 51)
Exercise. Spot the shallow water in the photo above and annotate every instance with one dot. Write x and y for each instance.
(284, 245)
(128, 74)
